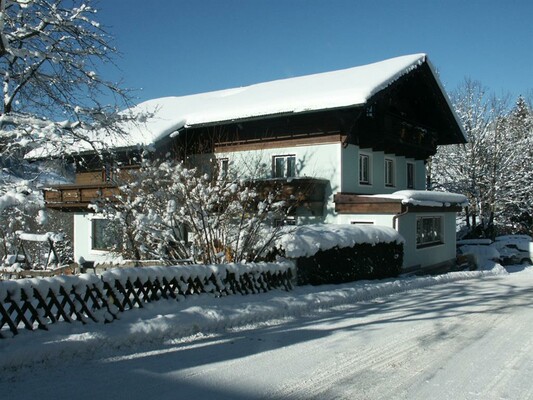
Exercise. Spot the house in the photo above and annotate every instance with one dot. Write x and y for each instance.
(358, 139)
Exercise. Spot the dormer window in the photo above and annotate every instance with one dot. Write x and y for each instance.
(284, 166)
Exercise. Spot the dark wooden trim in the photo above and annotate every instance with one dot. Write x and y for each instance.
(274, 143)
(369, 208)
(426, 209)
(351, 203)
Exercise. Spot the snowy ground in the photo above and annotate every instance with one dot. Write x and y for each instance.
(464, 335)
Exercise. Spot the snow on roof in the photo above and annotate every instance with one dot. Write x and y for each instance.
(343, 88)
(307, 240)
(328, 90)
(427, 198)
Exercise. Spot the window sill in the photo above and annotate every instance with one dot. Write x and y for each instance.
(427, 245)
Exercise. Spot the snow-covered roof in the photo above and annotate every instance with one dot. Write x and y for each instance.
(329, 90)
(427, 198)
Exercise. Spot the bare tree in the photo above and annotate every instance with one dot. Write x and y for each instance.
(49, 57)
(50, 52)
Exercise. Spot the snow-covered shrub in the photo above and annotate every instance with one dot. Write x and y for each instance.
(347, 264)
(19, 203)
(170, 212)
(327, 253)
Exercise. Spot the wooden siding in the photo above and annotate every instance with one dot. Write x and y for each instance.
(349, 203)
(77, 197)
(88, 178)
(301, 140)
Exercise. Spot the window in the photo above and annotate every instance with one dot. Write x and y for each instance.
(107, 173)
(428, 231)
(362, 223)
(284, 166)
(364, 169)
(389, 172)
(410, 176)
(287, 221)
(105, 235)
(223, 168)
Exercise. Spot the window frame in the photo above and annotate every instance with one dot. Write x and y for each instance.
(368, 158)
(289, 166)
(410, 175)
(438, 238)
(93, 238)
(223, 168)
(389, 168)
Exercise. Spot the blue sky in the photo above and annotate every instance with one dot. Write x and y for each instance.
(178, 47)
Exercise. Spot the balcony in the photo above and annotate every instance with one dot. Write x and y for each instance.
(300, 193)
(77, 197)
(306, 193)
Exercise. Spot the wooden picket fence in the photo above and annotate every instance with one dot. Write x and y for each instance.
(36, 303)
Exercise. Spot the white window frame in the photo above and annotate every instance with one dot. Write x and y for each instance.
(223, 167)
(361, 222)
(389, 167)
(286, 173)
(410, 185)
(429, 239)
(93, 249)
(366, 181)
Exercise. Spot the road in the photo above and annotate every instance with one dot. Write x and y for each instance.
(468, 339)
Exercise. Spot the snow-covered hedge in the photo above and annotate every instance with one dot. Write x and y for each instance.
(36, 303)
(326, 253)
(307, 240)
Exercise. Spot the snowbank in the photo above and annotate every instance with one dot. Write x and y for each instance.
(307, 240)
(205, 314)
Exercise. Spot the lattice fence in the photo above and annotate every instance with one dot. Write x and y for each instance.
(36, 303)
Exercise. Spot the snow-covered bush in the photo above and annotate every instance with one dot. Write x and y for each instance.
(328, 253)
(170, 212)
(19, 203)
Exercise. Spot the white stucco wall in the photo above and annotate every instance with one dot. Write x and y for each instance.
(317, 161)
(83, 239)
(406, 226)
(339, 165)
(428, 255)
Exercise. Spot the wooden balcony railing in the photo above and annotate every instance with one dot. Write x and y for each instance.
(309, 193)
(76, 197)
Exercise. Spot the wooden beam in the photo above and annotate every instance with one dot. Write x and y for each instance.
(369, 208)
(350, 203)
(273, 143)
